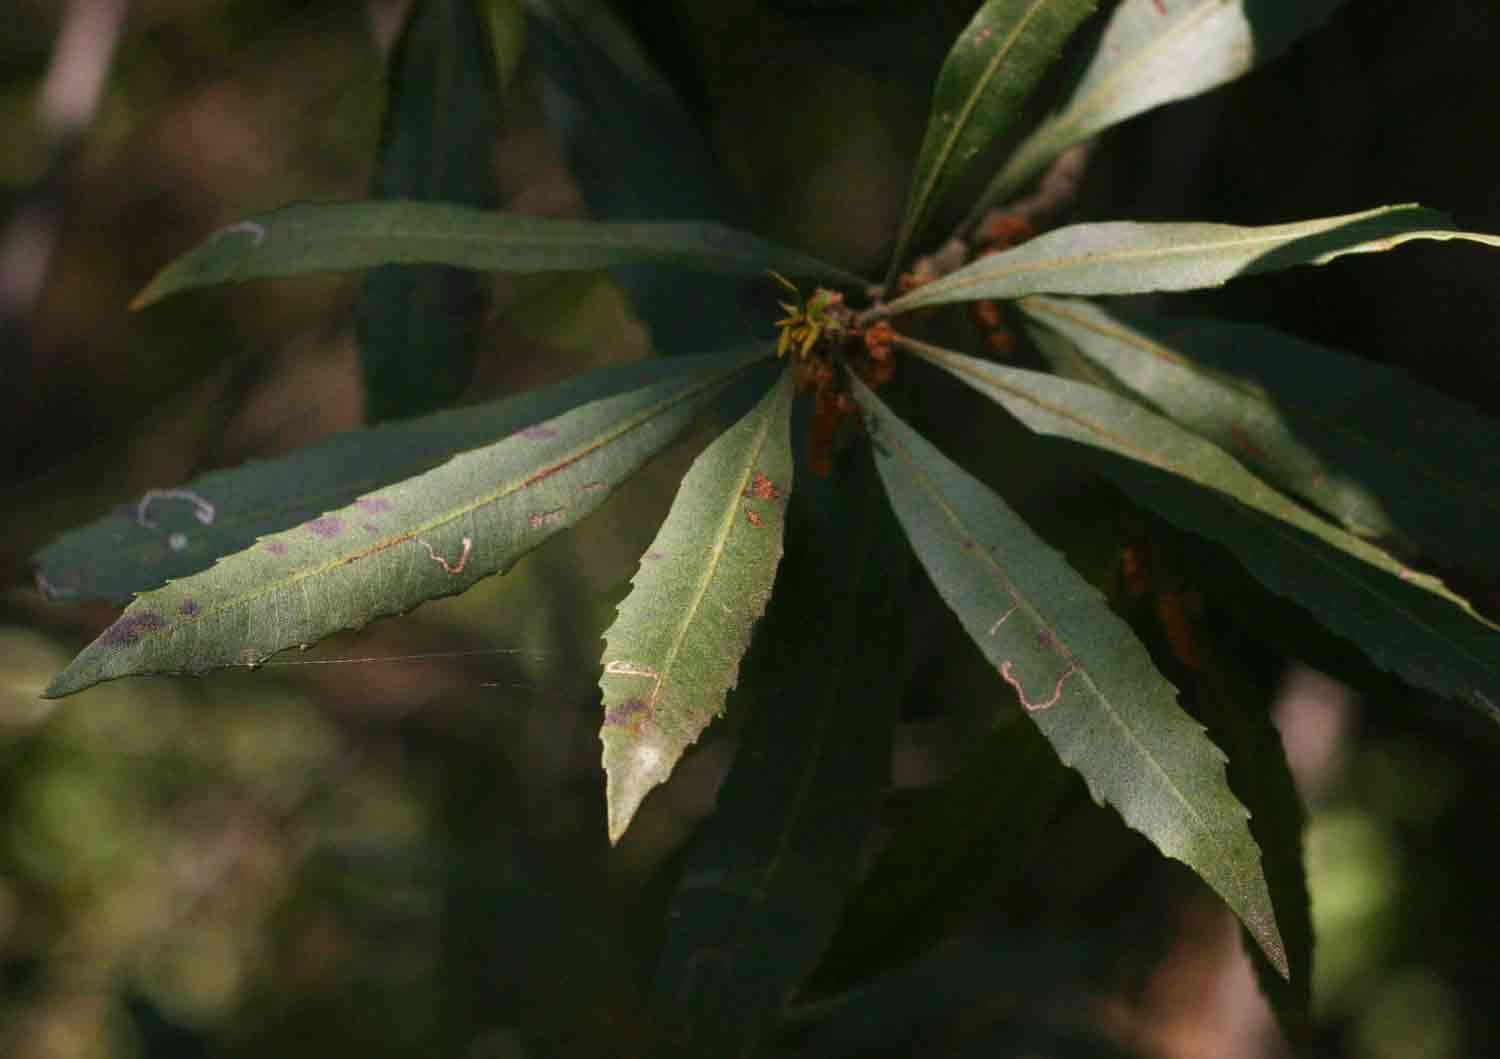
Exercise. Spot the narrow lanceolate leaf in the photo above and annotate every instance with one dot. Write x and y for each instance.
(1407, 622)
(1076, 668)
(171, 533)
(1233, 706)
(343, 236)
(674, 652)
(1126, 257)
(1385, 456)
(763, 886)
(638, 154)
(1155, 52)
(970, 837)
(984, 83)
(417, 323)
(433, 535)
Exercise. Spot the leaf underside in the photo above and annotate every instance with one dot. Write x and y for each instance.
(674, 651)
(1407, 622)
(1155, 52)
(1129, 257)
(1077, 669)
(429, 536)
(1385, 456)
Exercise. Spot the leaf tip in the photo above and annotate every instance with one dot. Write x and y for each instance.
(636, 761)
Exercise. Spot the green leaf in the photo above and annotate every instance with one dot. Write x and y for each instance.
(763, 886)
(1233, 706)
(1407, 622)
(1387, 457)
(172, 533)
(1155, 52)
(1126, 257)
(1077, 669)
(433, 535)
(993, 66)
(417, 323)
(638, 155)
(970, 837)
(342, 236)
(674, 652)
(903, 1012)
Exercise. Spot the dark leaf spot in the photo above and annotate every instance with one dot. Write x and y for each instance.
(131, 627)
(626, 713)
(276, 547)
(190, 608)
(327, 527)
(373, 505)
(538, 433)
(653, 556)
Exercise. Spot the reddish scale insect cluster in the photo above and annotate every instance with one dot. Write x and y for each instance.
(825, 345)
(1000, 231)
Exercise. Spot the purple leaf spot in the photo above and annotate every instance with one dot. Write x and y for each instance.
(190, 608)
(373, 505)
(276, 547)
(370, 527)
(654, 555)
(625, 713)
(130, 628)
(327, 527)
(538, 433)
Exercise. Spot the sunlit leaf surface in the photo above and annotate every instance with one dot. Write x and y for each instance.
(674, 651)
(429, 536)
(1407, 622)
(1155, 52)
(1126, 257)
(1076, 668)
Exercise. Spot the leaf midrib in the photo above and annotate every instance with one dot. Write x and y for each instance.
(1097, 97)
(1299, 538)
(618, 431)
(721, 536)
(948, 144)
(1455, 486)
(1031, 611)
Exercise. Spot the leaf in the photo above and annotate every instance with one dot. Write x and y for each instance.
(903, 1012)
(1233, 706)
(638, 154)
(970, 837)
(171, 533)
(1155, 52)
(417, 323)
(433, 535)
(994, 65)
(674, 651)
(1385, 456)
(1407, 622)
(1077, 669)
(763, 886)
(341, 236)
(1126, 257)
